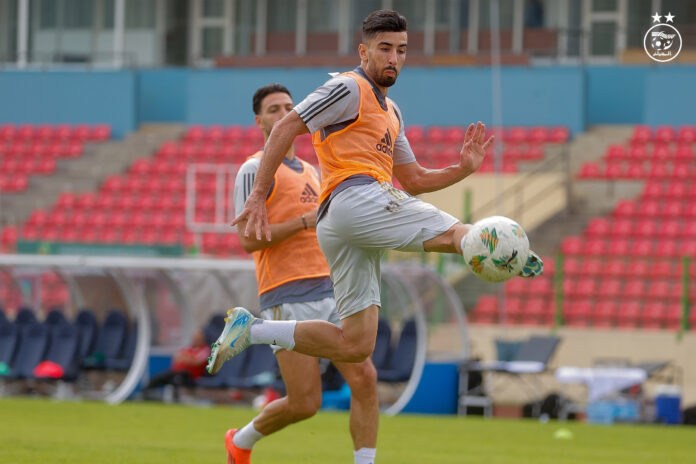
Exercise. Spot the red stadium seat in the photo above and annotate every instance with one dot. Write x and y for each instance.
(686, 134)
(515, 135)
(100, 133)
(667, 248)
(649, 209)
(233, 134)
(673, 316)
(616, 152)
(63, 132)
(609, 288)
(661, 153)
(577, 313)
(214, 134)
(618, 247)
(8, 132)
(677, 190)
(598, 227)
(572, 246)
(538, 311)
(641, 135)
(513, 310)
(646, 228)
(639, 268)
(634, 289)
(625, 208)
(415, 134)
(663, 290)
(643, 248)
(540, 287)
(559, 134)
(613, 170)
(654, 315)
(585, 288)
(66, 200)
(665, 134)
(486, 310)
(516, 287)
(590, 170)
(629, 314)
(592, 267)
(664, 268)
(622, 228)
(604, 314)
(436, 134)
(595, 247)
(614, 268)
(539, 135)
(683, 153)
(638, 153)
(81, 133)
(571, 266)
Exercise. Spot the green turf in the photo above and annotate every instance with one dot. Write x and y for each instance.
(41, 431)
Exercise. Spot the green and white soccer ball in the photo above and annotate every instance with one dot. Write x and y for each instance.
(496, 248)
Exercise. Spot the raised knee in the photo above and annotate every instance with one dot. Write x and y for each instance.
(359, 352)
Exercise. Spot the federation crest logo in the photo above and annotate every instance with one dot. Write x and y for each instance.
(490, 239)
(662, 42)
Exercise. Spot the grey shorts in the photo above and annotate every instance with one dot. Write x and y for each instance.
(362, 222)
(324, 310)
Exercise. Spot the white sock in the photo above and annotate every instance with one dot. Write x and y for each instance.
(247, 436)
(365, 455)
(281, 333)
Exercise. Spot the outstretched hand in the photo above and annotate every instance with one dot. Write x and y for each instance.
(256, 217)
(475, 146)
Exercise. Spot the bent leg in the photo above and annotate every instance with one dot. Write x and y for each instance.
(303, 398)
(364, 402)
(449, 241)
(353, 342)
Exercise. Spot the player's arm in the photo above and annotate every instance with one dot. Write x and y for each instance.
(280, 231)
(254, 214)
(416, 179)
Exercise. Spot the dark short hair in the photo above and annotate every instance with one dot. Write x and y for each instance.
(383, 21)
(264, 91)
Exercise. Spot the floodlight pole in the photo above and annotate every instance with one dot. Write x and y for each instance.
(22, 33)
(119, 27)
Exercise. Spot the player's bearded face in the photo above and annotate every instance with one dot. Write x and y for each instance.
(386, 55)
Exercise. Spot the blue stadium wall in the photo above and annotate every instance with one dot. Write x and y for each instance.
(572, 96)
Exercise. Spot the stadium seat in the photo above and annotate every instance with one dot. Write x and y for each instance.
(123, 361)
(516, 287)
(486, 310)
(577, 313)
(634, 289)
(641, 134)
(63, 350)
(613, 268)
(382, 350)
(604, 314)
(590, 170)
(25, 316)
(109, 341)
(514, 311)
(628, 314)
(537, 311)
(686, 134)
(403, 356)
(664, 134)
(598, 227)
(654, 315)
(9, 340)
(673, 316)
(663, 290)
(31, 350)
(609, 288)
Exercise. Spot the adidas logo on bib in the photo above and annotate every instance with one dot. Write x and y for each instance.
(309, 195)
(385, 145)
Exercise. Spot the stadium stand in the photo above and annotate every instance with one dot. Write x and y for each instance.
(624, 269)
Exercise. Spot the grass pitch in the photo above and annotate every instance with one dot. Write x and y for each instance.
(42, 431)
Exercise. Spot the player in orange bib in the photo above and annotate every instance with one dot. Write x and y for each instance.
(294, 284)
(358, 134)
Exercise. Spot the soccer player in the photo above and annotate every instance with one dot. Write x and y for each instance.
(294, 284)
(358, 134)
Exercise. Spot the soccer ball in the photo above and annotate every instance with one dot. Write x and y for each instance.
(496, 248)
